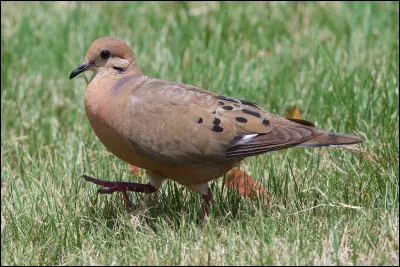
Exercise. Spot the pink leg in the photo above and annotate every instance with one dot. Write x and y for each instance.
(206, 204)
(111, 187)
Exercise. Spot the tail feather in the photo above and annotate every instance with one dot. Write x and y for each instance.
(331, 139)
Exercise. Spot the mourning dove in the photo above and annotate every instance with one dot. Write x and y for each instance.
(179, 131)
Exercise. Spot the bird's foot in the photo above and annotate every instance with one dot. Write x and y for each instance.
(111, 187)
(205, 206)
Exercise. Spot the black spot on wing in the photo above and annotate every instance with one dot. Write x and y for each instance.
(241, 119)
(251, 104)
(228, 99)
(252, 113)
(239, 101)
(217, 128)
(227, 107)
(216, 121)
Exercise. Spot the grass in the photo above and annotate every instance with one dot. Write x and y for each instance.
(338, 62)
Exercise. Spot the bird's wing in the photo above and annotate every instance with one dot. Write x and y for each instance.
(185, 125)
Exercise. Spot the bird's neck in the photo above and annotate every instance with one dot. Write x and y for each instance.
(105, 90)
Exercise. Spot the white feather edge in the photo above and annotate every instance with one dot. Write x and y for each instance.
(246, 138)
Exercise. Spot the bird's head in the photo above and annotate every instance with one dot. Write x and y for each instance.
(108, 55)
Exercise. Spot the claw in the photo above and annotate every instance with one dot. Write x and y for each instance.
(109, 190)
(128, 202)
(111, 187)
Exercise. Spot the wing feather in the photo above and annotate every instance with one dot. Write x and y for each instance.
(195, 127)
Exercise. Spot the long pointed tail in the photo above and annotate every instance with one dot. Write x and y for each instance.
(331, 139)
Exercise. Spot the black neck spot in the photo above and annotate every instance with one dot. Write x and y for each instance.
(120, 70)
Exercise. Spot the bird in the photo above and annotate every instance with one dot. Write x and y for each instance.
(178, 131)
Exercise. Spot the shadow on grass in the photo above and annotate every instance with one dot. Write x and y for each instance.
(172, 204)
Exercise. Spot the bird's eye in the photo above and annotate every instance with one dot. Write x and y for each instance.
(104, 54)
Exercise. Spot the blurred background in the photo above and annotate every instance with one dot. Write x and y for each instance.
(333, 63)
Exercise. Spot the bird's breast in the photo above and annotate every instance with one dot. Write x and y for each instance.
(106, 115)
(99, 110)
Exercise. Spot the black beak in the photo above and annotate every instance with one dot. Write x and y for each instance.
(80, 69)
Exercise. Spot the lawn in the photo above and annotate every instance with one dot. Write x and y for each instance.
(337, 62)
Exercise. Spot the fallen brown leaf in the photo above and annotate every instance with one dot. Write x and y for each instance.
(242, 183)
(186, 59)
(293, 113)
(134, 169)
